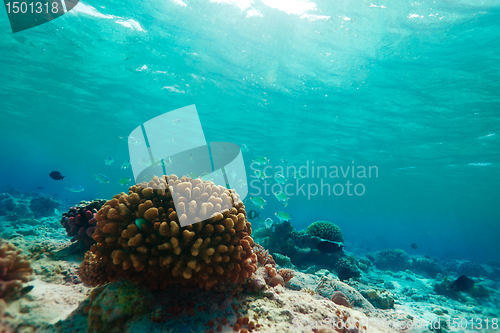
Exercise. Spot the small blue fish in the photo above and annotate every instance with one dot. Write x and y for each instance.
(109, 160)
(282, 216)
(125, 165)
(281, 197)
(261, 160)
(280, 179)
(75, 189)
(101, 178)
(124, 181)
(258, 202)
(244, 148)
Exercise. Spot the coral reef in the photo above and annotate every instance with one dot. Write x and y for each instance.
(346, 268)
(7, 203)
(273, 278)
(139, 236)
(471, 268)
(479, 291)
(15, 208)
(281, 260)
(93, 271)
(445, 288)
(300, 248)
(80, 222)
(16, 205)
(326, 230)
(43, 206)
(263, 256)
(364, 264)
(379, 299)
(185, 309)
(326, 286)
(392, 259)
(14, 270)
(284, 239)
(429, 267)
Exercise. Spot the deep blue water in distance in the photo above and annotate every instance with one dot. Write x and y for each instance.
(409, 87)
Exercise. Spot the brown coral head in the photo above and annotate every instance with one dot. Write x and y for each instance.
(15, 269)
(140, 237)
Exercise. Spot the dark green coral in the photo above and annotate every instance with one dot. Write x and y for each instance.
(326, 230)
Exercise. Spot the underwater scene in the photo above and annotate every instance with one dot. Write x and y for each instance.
(250, 166)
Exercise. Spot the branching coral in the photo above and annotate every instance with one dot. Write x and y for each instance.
(263, 256)
(80, 221)
(326, 230)
(139, 236)
(14, 270)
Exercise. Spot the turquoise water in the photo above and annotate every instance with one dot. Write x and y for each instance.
(409, 87)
